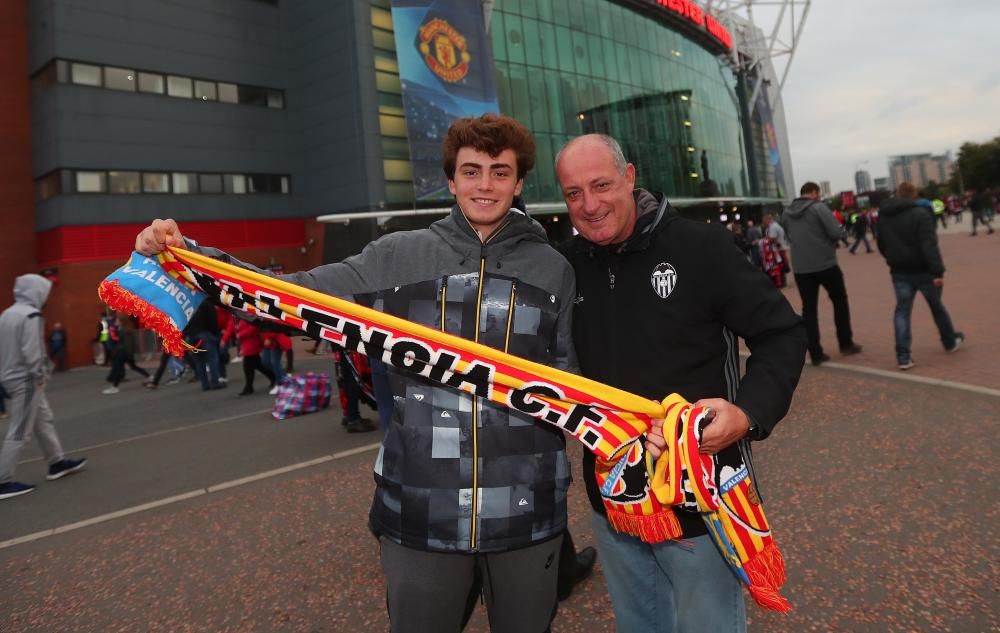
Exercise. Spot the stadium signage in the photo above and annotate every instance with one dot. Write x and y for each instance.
(695, 14)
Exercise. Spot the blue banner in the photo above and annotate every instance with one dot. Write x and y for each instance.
(446, 69)
(771, 141)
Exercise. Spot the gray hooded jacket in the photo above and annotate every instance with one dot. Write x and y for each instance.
(457, 473)
(813, 233)
(22, 332)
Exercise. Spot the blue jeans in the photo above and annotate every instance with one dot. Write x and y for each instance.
(206, 364)
(271, 356)
(671, 587)
(906, 286)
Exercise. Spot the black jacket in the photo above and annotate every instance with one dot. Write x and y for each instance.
(907, 238)
(661, 313)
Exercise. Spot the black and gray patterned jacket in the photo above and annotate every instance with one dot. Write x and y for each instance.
(456, 473)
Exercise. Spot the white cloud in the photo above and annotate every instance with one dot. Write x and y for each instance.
(873, 78)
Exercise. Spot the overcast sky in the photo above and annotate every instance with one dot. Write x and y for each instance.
(874, 78)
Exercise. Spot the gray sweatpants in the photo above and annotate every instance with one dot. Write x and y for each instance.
(429, 592)
(29, 414)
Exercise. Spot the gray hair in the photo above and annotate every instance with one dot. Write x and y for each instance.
(616, 150)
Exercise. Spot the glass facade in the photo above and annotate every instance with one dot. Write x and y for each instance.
(569, 67)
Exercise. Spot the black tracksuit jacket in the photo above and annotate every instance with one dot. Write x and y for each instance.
(661, 313)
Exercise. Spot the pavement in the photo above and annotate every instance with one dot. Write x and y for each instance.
(198, 512)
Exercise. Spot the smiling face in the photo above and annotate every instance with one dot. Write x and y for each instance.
(484, 187)
(597, 194)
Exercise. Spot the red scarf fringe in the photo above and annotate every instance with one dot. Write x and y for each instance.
(655, 528)
(766, 571)
(121, 300)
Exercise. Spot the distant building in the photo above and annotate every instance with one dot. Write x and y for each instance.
(919, 169)
(862, 181)
(882, 184)
(824, 189)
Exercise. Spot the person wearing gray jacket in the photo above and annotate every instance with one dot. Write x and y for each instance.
(24, 372)
(813, 233)
(464, 488)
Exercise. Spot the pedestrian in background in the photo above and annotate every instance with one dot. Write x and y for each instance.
(250, 344)
(24, 373)
(57, 347)
(124, 345)
(981, 205)
(814, 234)
(908, 241)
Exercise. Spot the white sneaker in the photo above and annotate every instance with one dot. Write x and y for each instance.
(273, 391)
(223, 379)
(111, 390)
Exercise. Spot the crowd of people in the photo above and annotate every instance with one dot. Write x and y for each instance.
(445, 537)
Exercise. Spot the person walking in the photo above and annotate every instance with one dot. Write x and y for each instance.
(57, 347)
(814, 234)
(661, 302)
(24, 373)
(981, 205)
(251, 344)
(125, 343)
(908, 241)
(860, 229)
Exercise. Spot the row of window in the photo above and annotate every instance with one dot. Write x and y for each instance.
(132, 80)
(134, 182)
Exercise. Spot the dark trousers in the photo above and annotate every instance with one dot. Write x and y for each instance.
(252, 363)
(832, 279)
(120, 358)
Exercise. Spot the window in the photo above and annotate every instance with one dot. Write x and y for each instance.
(275, 99)
(156, 183)
(123, 182)
(119, 79)
(91, 182)
(47, 186)
(252, 95)
(204, 90)
(235, 183)
(382, 19)
(397, 170)
(383, 40)
(210, 183)
(285, 184)
(151, 82)
(228, 93)
(263, 183)
(185, 183)
(179, 86)
(387, 82)
(86, 75)
(392, 125)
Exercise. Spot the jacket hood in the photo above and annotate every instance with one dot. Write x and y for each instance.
(32, 289)
(517, 227)
(895, 206)
(799, 206)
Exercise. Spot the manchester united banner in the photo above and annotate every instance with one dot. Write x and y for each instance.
(446, 70)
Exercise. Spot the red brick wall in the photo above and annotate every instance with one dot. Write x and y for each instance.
(17, 205)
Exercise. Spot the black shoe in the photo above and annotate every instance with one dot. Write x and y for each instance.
(959, 339)
(851, 349)
(246, 392)
(582, 568)
(359, 425)
(819, 360)
(65, 467)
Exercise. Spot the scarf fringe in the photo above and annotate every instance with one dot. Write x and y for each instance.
(121, 300)
(766, 572)
(654, 528)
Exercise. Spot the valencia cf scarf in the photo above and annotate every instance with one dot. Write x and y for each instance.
(638, 494)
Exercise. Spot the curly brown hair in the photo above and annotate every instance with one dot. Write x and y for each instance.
(490, 133)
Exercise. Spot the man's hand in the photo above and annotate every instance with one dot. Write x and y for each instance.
(153, 239)
(655, 442)
(728, 424)
(938, 282)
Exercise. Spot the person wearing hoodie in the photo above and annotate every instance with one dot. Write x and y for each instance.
(464, 488)
(813, 233)
(661, 303)
(908, 241)
(24, 372)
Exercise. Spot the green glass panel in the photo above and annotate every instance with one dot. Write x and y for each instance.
(515, 39)
(519, 97)
(595, 51)
(532, 42)
(581, 53)
(547, 36)
(499, 36)
(560, 11)
(564, 46)
(553, 95)
(537, 102)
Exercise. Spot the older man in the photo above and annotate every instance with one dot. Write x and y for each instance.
(660, 304)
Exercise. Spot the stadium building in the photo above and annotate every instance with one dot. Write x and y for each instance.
(291, 132)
